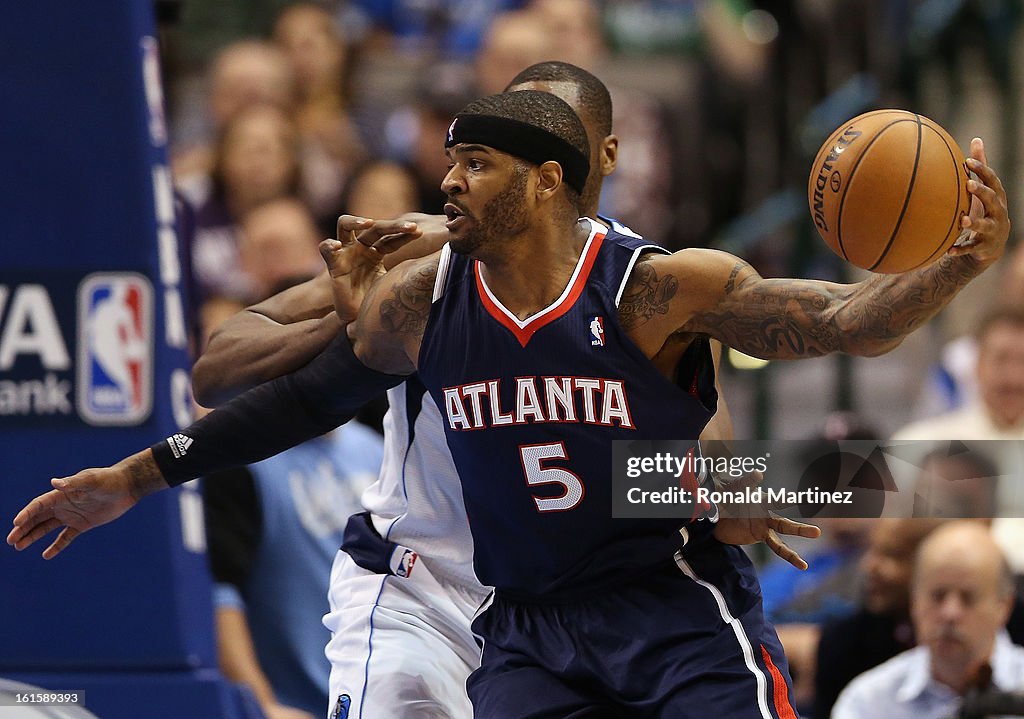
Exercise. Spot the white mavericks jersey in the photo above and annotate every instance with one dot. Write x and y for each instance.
(417, 500)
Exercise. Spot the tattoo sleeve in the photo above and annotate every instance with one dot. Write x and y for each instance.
(789, 319)
(405, 312)
(646, 295)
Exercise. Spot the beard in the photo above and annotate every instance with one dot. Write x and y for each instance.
(502, 216)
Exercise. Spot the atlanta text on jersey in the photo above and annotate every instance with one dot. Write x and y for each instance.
(590, 400)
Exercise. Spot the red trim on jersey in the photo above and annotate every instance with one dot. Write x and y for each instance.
(781, 692)
(549, 314)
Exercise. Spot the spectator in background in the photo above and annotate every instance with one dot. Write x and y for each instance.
(962, 595)
(998, 412)
(381, 189)
(273, 528)
(798, 603)
(963, 484)
(513, 41)
(278, 244)
(411, 132)
(952, 383)
(435, 29)
(244, 74)
(331, 147)
(256, 160)
(880, 628)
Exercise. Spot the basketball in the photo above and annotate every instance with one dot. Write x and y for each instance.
(887, 191)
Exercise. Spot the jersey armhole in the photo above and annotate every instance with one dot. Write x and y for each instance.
(632, 262)
(441, 279)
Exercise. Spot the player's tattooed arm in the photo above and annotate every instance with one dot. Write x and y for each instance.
(393, 316)
(789, 318)
(727, 299)
(646, 295)
(405, 311)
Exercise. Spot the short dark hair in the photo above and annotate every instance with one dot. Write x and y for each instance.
(594, 96)
(544, 111)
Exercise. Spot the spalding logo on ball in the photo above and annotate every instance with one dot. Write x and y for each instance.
(887, 191)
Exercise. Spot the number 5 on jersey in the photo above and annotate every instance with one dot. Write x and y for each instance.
(533, 457)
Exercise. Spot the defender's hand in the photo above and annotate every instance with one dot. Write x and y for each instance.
(356, 259)
(84, 501)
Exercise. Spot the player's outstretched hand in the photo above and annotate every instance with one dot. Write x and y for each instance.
(988, 222)
(85, 500)
(356, 259)
(751, 530)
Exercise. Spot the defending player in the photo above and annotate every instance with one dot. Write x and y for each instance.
(513, 211)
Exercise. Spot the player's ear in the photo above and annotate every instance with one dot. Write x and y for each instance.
(609, 155)
(549, 178)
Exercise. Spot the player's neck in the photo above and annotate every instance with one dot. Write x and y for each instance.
(535, 268)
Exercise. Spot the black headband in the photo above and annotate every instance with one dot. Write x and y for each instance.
(528, 142)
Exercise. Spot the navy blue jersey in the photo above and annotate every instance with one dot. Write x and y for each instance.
(530, 410)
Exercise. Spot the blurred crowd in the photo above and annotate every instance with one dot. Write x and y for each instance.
(285, 115)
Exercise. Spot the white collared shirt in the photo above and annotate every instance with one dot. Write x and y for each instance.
(903, 687)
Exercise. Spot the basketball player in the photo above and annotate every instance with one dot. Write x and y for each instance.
(422, 646)
(586, 619)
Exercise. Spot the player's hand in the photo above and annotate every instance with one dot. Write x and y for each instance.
(988, 222)
(84, 501)
(745, 523)
(356, 259)
(751, 530)
(433, 235)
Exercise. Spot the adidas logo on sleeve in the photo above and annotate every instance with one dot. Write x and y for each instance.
(179, 444)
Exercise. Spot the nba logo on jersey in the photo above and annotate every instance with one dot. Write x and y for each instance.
(597, 331)
(406, 561)
(115, 348)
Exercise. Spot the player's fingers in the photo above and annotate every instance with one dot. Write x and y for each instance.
(990, 199)
(793, 528)
(977, 151)
(37, 510)
(38, 531)
(784, 551)
(352, 223)
(986, 174)
(63, 539)
(384, 228)
(395, 241)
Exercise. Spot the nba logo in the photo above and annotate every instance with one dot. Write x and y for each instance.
(406, 563)
(597, 332)
(115, 348)
(451, 130)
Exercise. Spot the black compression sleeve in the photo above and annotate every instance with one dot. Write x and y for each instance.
(274, 416)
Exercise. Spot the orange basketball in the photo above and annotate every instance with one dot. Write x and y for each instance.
(887, 191)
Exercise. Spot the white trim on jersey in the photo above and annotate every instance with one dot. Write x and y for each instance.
(623, 230)
(737, 628)
(595, 229)
(441, 279)
(632, 261)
